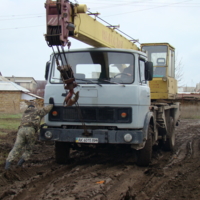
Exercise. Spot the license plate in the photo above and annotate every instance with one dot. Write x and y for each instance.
(87, 140)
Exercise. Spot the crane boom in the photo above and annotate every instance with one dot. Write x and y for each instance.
(80, 26)
(94, 33)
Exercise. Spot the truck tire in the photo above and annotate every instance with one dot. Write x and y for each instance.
(170, 141)
(62, 150)
(144, 155)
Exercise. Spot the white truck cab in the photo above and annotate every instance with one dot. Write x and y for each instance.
(114, 98)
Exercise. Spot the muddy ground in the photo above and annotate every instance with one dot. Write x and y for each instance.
(107, 175)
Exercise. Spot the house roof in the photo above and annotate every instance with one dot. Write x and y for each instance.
(23, 81)
(6, 85)
(17, 78)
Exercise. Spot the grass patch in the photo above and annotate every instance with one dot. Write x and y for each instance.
(9, 122)
(10, 116)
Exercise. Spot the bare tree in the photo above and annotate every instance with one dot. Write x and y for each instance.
(179, 71)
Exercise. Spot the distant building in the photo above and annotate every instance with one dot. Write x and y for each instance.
(35, 87)
(11, 95)
(198, 87)
(186, 89)
(27, 82)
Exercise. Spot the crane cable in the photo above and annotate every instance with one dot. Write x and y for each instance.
(65, 69)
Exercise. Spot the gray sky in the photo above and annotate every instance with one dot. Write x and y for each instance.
(24, 51)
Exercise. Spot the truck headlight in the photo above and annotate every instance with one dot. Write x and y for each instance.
(48, 134)
(128, 137)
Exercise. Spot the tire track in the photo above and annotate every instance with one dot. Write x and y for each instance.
(112, 175)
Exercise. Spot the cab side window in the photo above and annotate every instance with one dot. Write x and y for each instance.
(142, 71)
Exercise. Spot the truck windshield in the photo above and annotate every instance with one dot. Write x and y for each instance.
(157, 55)
(94, 66)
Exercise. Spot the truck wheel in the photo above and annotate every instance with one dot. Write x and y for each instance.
(170, 142)
(144, 155)
(62, 150)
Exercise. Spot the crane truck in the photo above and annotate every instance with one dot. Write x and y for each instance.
(120, 94)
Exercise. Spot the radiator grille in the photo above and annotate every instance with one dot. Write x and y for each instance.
(92, 114)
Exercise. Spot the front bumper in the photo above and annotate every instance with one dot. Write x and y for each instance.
(104, 136)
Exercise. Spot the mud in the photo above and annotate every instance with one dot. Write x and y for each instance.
(106, 175)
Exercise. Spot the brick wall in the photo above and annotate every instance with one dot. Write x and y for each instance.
(10, 101)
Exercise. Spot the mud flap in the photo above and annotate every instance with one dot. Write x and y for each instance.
(146, 125)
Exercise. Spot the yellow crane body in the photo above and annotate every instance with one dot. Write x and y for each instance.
(86, 28)
(164, 84)
(163, 89)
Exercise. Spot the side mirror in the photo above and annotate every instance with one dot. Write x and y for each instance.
(148, 71)
(47, 70)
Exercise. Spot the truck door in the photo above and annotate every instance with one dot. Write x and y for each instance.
(144, 91)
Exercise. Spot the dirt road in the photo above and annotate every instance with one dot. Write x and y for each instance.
(108, 175)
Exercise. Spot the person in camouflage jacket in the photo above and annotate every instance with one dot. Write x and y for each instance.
(26, 135)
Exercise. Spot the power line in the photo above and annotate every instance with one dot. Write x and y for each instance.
(134, 2)
(147, 8)
(172, 6)
(20, 15)
(101, 1)
(21, 18)
(121, 4)
(166, 5)
(146, 5)
(21, 27)
(113, 5)
(116, 28)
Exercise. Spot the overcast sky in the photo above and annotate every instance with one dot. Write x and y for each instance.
(24, 51)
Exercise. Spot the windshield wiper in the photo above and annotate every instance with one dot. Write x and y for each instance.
(88, 81)
(111, 82)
